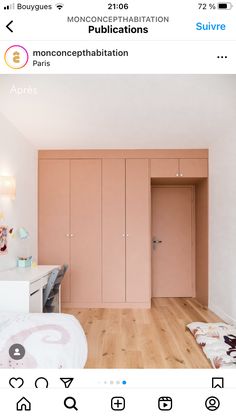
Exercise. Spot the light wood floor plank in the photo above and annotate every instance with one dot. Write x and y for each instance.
(154, 338)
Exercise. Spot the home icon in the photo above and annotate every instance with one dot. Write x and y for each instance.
(23, 404)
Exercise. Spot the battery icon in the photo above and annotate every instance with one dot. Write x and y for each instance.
(225, 6)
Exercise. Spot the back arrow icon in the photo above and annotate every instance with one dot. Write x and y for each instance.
(8, 26)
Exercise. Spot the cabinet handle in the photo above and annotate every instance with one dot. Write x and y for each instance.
(155, 242)
(72, 235)
(181, 174)
(177, 174)
(67, 235)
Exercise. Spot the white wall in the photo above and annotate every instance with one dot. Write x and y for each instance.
(18, 158)
(222, 244)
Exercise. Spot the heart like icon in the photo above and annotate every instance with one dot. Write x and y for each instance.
(16, 382)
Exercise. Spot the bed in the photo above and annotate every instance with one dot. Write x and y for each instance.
(218, 342)
(50, 340)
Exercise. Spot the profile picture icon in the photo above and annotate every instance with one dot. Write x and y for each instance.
(16, 57)
(212, 403)
(17, 351)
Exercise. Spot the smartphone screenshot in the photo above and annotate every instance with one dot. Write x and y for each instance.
(117, 209)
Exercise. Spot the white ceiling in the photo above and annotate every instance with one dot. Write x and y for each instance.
(121, 111)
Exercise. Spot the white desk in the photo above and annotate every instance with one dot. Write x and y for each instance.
(21, 289)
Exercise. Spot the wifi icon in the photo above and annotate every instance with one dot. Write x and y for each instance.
(59, 6)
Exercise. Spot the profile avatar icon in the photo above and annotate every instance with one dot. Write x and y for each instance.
(17, 351)
(16, 57)
(212, 403)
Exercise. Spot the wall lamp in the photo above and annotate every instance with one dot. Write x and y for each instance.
(8, 187)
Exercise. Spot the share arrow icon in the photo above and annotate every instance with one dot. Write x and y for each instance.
(67, 381)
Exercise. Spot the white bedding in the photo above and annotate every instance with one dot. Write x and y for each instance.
(50, 340)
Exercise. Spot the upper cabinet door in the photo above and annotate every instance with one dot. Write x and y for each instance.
(138, 237)
(164, 167)
(113, 230)
(54, 216)
(193, 168)
(86, 231)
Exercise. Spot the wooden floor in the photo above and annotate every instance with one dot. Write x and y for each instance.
(155, 338)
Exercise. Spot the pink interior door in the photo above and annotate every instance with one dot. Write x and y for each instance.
(113, 228)
(137, 231)
(172, 257)
(86, 231)
(54, 217)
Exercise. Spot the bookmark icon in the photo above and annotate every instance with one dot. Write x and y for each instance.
(67, 381)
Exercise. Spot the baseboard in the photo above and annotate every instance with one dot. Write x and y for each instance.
(105, 305)
(220, 313)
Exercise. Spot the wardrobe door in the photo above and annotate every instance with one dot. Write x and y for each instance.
(54, 216)
(164, 167)
(138, 236)
(86, 231)
(193, 167)
(113, 227)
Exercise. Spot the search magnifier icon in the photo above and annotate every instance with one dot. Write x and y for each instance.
(70, 403)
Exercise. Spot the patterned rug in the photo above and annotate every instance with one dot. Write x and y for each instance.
(218, 342)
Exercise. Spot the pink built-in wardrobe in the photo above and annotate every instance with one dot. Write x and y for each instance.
(96, 213)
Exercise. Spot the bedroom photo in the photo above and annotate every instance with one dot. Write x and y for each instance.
(117, 221)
